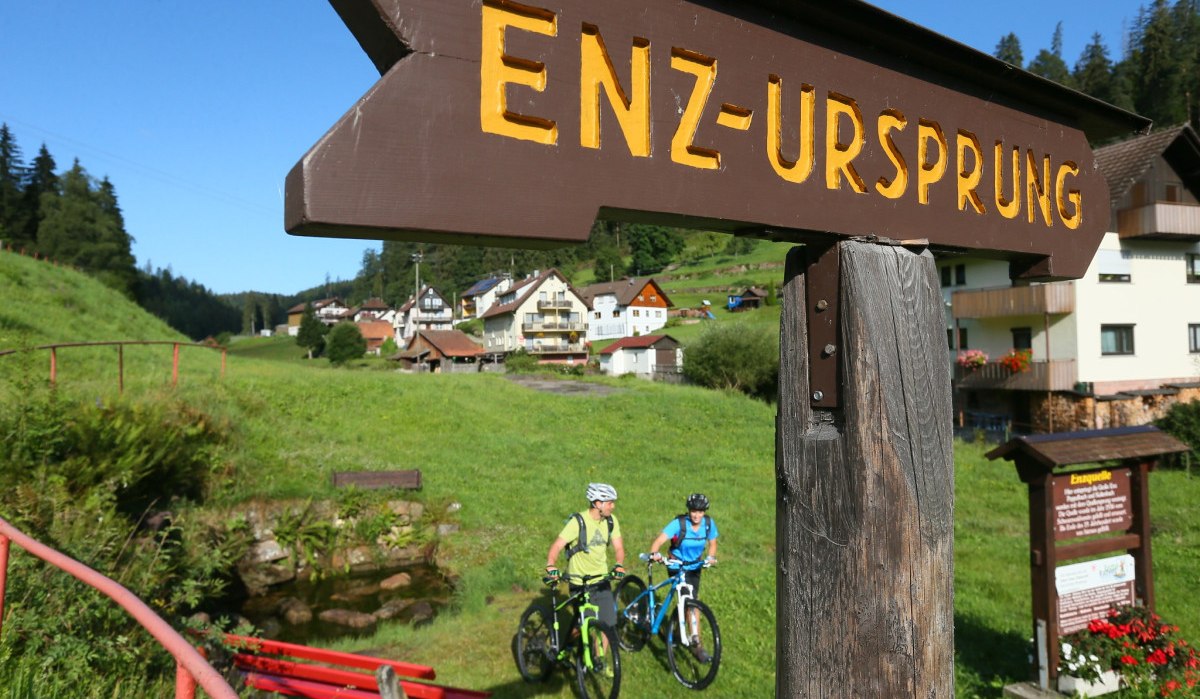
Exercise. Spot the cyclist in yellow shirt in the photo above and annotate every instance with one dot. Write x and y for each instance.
(586, 537)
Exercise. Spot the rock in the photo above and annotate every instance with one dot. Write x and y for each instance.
(295, 611)
(266, 563)
(359, 559)
(265, 552)
(392, 608)
(396, 581)
(446, 528)
(420, 613)
(398, 558)
(346, 617)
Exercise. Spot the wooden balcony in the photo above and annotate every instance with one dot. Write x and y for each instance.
(1037, 299)
(1054, 375)
(1161, 220)
(563, 326)
(556, 348)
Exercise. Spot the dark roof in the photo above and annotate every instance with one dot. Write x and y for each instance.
(320, 303)
(857, 24)
(626, 290)
(638, 342)
(1069, 448)
(523, 289)
(481, 287)
(1126, 162)
(374, 304)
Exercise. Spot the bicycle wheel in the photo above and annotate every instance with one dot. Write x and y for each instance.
(534, 652)
(632, 621)
(602, 678)
(695, 665)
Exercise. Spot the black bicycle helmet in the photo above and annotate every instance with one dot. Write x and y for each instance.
(697, 501)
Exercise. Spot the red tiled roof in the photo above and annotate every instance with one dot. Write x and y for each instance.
(638, 342)
(375, 329)
(451, 343)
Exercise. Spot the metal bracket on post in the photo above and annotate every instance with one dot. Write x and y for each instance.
(822, 282)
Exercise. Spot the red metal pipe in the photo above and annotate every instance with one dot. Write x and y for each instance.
(3, 575)
(183, 652)
(53, 365)
(185, 684)
(293, 650)
(120, 368)
(175, 366)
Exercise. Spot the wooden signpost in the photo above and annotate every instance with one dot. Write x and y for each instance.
(832, 125)
(1081, 514)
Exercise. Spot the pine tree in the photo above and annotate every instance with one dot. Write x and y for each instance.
(1156, 66)
(1050, 64)
(1009, 50)
(12, 175)
(41, 181)
(1094, 71)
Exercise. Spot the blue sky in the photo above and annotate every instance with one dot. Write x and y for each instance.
(197, 110)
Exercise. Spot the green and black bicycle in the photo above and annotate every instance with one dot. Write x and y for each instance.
(587, 646)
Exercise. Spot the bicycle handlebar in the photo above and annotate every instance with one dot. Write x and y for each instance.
(676, 563)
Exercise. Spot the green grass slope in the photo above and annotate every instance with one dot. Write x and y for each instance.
(518, 461)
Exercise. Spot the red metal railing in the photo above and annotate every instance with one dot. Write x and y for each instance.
(120, 345)
(190, 665)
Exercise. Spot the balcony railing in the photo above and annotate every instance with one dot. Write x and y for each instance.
(1054, 375)
(1058, 297)
(556, 348)
(554, 303)
(1160, 220)
(554, 327)
(435, 317)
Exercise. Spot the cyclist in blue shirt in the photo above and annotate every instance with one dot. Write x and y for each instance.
(693, 540)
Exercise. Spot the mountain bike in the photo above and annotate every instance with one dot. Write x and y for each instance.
(692, 624)
(586, 645)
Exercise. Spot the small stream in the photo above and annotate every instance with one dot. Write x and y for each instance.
(353, 605)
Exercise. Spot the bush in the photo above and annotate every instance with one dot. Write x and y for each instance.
(1182, 421)
(472, 327)
(735, 356)
(344, 343)
(521, 362)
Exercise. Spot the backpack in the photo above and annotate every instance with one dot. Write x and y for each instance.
(581, 544)
(685, 527)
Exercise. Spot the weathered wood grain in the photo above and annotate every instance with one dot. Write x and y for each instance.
(866, 493)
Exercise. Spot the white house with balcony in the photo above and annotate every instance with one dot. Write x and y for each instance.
(429, 310)
(482, 295)
(1114, 348)
(541, 314)
(625, 308)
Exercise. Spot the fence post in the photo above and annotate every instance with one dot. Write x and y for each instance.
(223, 350)
(120, 368)
(175, 366)
(185, 684)
(53, 365)
(3, 575)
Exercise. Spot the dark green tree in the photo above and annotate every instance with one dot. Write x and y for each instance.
(651, 248)
(12, 178)
(740, 245)
(734, 356)
(1009, 50)
(1094, 71)
(1156, 66)
(311, 335)
(1050, 64)
(41, 181)
(344, 343)
(609, 265)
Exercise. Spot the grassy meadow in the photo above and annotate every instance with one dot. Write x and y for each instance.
(517, 460)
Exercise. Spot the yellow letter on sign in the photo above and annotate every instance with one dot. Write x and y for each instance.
(633, 110)
(705, 70)
(498, 69)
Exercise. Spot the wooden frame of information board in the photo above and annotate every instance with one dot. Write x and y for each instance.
(1075, 514)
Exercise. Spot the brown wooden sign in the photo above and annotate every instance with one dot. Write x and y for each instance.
(1092, 502)
(500, 123)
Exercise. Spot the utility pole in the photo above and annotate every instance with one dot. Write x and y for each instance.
(416, 258)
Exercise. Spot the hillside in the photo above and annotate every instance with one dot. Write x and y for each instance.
(517, 460)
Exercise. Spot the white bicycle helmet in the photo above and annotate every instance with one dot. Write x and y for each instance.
(601, 491)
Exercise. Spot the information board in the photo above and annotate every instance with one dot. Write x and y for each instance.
(1087, 590)
(1092, 502)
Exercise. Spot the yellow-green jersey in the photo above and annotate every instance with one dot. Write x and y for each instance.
(590, 559)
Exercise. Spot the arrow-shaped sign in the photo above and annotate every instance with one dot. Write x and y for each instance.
(499, 123)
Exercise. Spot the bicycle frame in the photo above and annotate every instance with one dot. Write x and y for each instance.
(680, 590)
(585, 620)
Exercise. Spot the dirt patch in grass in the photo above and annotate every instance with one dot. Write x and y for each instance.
(561, 386)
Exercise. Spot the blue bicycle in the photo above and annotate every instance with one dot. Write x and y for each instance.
(692, 636)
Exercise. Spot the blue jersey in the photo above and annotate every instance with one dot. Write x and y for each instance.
(694, 541)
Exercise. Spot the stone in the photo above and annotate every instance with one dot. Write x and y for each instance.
(421, 613)
(396, 581)
(1028, 690)
(295, 611)
(346, 617)
(399, 557)
(392, 609)
(265, 552)
(358, 559)
(446, 528)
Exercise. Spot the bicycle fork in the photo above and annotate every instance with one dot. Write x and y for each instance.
(686, 624)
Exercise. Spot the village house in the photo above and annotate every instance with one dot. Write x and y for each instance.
(481, 296)
(541, 314)
(428, 311)
(1115, 348)
(645, 356)
(373, 308)
(441, 351)
(748, 300)
(329, 311)
(375, 332)
(624, 308)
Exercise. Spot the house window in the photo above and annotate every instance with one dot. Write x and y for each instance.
(1193, 268)
(597, 315)
(962, 337)
(1194, 337)
(1116, 339)
(1173, 193)
(616, 314)
(946, 272)
(1113, 266)
(637, 313)
(1022, 338)
(960, 275)
(653, 297)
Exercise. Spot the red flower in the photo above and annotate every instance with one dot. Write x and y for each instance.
(1158, 657)
(1129, 660)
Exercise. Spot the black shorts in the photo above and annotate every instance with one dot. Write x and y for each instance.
(602, 597)
(692, 577)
